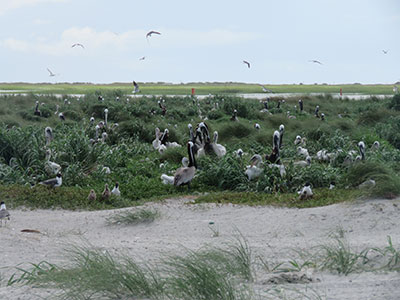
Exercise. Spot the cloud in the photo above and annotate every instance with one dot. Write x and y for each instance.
(7, 5)
(97, 42)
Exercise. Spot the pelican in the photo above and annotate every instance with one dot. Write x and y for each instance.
(104, 136)
(302, 151)
(361, 147)
(91, 120)
(97, 129)
(54, 182)
(48, 134)
(239, 153)
(375, 145)
(306, 192)
(51, 168)
(303, 163)
(299, 140)
(156, 143)
(316, 112)
(218, 148)
(115, 191)
(57, 108)
(322, 117)
(164, 137)
(254, 170)
(4, 214)
(301, 105)
(289, 116)
(234, 116)
(274, 157)
(281, 131)
(61, 116)
(170, 179)
(162, 148)
(105, 117)
(185, 175)
(322, 155)
(37, 111)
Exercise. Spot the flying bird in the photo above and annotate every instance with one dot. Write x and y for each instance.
(385, 51)
(315, 61)
(136, 90)
(152, 32)
(265, 90)
(78, 45)
(142, 58)
(51, 73)
(247, 63)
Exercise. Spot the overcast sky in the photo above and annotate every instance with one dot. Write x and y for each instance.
(200, 41)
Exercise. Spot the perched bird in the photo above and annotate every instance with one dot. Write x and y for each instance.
(361, 147)
(254, 170)
(92, 195)
(315, 61)
(170, 179)
(156, 143)
(247, 63)
(303, 163)
(185, 175)
(150, 33)
(37, 111)
(281, 131)
(48, 134)
(115, 191)
(234, 115)
(306, 192)
(4, 214)
(78, 45)
(301, 105)
(54, 182)
(136, 87)
(106, 193)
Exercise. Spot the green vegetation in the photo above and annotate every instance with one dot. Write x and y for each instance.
(134, 217)
(128, 153)
(185, 89)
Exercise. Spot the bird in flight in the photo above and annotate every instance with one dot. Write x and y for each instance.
(385, 51)
(78, 45)
(136, 90)
(142, 58)
(51, 73)
(315, 61)
(247, 63)
(152, 32)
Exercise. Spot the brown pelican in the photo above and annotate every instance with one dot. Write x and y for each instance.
(185, 175)
(48, 133)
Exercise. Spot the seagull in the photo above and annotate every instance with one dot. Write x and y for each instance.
(152, 32)
(4, 214)
(315, 61)
(51, 73)
(54, 182)
(136, 90)
(77, 44)
(385, 51)
(247, 63)
(142, 58)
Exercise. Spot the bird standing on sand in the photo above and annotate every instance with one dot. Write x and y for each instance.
(4, 214)
(54, 182)
(92, 195)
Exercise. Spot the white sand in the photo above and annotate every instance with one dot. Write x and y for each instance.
(271, 232)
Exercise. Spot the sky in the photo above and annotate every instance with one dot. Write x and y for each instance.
(200, 41)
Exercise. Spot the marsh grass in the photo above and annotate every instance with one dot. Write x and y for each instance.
(210, 273)
(133, 217)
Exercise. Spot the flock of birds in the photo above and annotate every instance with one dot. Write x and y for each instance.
(200, 144)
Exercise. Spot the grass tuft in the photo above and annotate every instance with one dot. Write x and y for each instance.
(134, 217)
